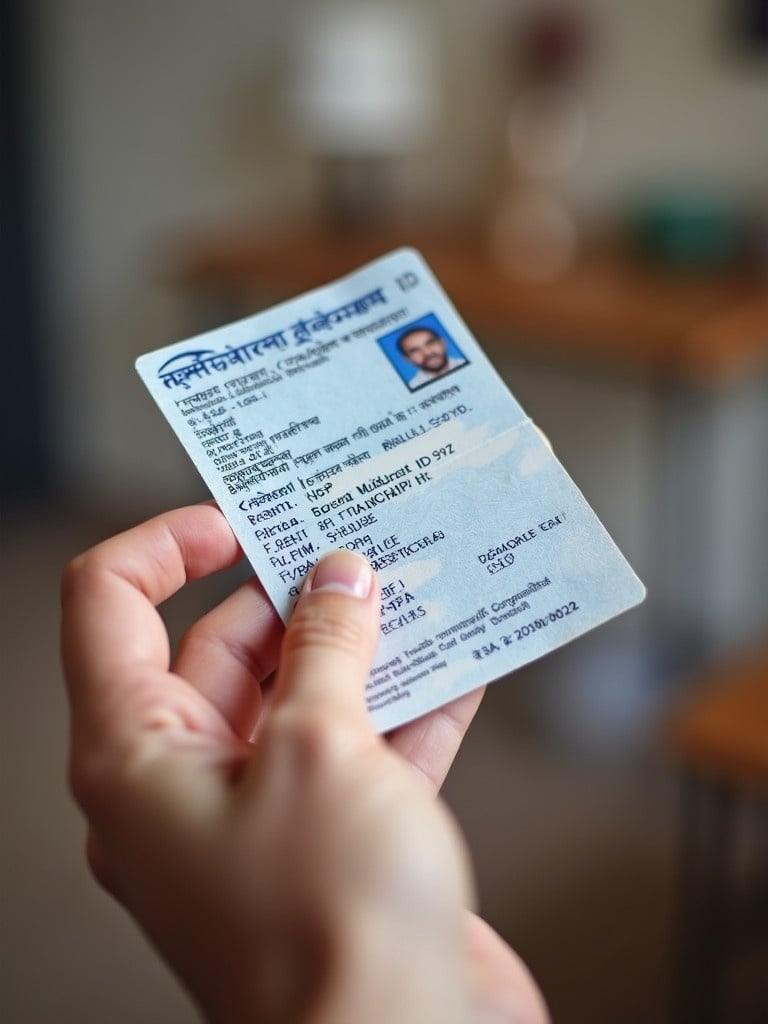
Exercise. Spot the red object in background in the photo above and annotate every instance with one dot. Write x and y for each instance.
(550, 45)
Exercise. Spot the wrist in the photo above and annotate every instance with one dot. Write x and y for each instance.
(393, 966)
(374, 965)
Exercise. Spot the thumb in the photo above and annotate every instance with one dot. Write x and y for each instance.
(331, 639)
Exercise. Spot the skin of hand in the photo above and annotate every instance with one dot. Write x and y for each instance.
(288, 863)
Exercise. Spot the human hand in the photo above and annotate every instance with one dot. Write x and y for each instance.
(306, 876)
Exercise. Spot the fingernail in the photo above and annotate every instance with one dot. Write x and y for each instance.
(343, 572)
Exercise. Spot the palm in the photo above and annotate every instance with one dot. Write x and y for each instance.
(216, 693)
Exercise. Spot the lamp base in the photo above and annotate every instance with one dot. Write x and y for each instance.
(355, 193)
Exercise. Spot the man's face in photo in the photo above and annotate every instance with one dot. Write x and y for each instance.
(426, 350)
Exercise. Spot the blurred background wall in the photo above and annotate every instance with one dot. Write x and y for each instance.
(144, 120)
(152, 116)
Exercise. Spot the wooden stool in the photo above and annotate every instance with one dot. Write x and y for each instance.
(721, 736)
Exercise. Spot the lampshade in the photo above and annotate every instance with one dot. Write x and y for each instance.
(361, 81)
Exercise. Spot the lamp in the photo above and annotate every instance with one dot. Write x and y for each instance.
(360, 93)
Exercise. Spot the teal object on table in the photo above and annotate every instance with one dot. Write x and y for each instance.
(687, 231)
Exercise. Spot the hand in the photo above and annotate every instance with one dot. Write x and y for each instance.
(306, 875)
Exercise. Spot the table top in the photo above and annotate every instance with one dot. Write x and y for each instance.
(606, 311)
(722, 728)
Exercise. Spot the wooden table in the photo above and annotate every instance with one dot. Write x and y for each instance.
(606, 312)
(720, 737)
(721, 731)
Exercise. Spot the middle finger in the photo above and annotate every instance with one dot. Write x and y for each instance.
(228, 653)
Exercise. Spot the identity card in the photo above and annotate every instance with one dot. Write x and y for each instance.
(364, 415)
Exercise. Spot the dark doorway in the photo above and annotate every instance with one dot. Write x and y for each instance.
(25, 466)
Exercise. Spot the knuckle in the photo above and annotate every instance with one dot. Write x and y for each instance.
(97, 777)
(82, 573)
(315, 743)
(86, 783)
(71, 577)
(316, 738)
(203, 638)
(326, 624)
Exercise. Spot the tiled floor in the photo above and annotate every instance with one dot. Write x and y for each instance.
(573, 841)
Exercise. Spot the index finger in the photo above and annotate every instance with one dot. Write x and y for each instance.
(431, 743)
(110, 627)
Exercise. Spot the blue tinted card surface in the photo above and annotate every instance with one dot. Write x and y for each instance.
(365, 415)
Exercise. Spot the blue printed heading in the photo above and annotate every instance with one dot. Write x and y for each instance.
(177, 371)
